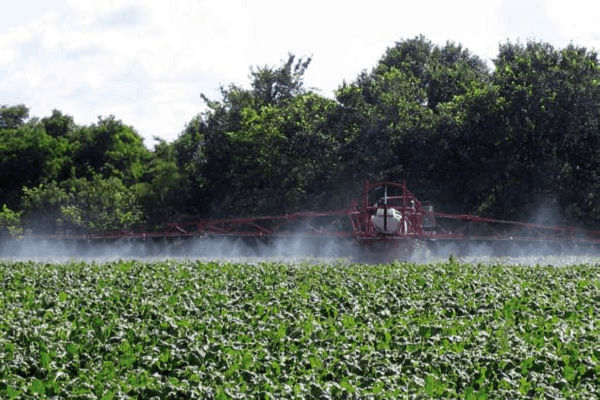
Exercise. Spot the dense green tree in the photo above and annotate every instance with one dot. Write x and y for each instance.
(59, 173)
(28, 155)
(267, 149)
(97, 204)
(61, 128)
(58, 124)
(11, 221)
(212, 149)
(13, 116)
(441, 72)
(468, 151)
(109, 148)
(276, 85)
(166, 190)
(402, 125)
(292, 153)
(497, 143)
(381, 111)
(551, 116)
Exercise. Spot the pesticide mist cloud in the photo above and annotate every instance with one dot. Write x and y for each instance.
(290, 249)
(222, 248)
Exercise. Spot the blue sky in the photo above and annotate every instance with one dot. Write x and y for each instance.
(146, 62)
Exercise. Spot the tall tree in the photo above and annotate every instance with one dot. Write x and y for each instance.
(13, 116)
(551, 116)
(442, 72)
(399, 111)
(110, 148)
(276, 85)
(58, 124)
(97, 204)
(169, 191)
(263, 148)
(28, 155)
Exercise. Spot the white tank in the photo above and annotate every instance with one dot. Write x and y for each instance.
(393, 219)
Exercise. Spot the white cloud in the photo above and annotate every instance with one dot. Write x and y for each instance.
(146, 62)
(576, 21)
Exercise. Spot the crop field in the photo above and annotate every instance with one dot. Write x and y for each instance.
(174, 328)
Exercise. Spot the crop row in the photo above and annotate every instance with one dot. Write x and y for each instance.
(330, 329)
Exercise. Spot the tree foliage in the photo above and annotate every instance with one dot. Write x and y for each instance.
(12, 117)
(110, 148)
(28, 155)
(267, 149)
(497, 142)
(550, 113)
(97, 204)
(277, 85)
(401, 112)
(11, 221)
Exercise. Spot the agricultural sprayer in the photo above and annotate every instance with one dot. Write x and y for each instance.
(386, 222)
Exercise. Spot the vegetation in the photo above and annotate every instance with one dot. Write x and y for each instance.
(194, 329)
(495, 142)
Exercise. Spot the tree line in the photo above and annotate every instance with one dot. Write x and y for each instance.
(497, 142)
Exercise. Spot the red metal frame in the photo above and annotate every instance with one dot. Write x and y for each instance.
(416, 221)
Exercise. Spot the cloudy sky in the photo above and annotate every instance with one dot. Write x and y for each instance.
(147, 61)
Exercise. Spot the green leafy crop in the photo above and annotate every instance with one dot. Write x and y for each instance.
(331, 329)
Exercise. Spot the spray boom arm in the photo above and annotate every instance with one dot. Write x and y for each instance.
(387, 215)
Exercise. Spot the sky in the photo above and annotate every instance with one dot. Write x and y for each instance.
(147, 61)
